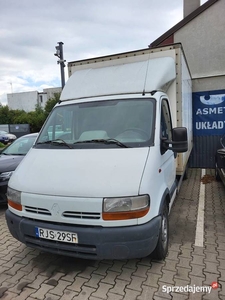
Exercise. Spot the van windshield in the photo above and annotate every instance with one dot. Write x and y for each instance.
(100, 124)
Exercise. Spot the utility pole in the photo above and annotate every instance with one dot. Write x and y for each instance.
(59, 54)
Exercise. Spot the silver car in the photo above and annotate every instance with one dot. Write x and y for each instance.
(6, 137)
(10, 157)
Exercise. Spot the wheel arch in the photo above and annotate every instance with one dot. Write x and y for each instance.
(165, 200)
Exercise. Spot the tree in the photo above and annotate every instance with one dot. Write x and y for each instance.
(4, 114)
(51, 103)
(36, 119)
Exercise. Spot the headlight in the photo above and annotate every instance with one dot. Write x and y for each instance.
(125, 207)
(14, 198)
(5, 176)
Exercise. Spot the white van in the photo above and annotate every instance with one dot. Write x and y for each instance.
(103, 188)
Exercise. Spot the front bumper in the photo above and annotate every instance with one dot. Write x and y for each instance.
(94, 242)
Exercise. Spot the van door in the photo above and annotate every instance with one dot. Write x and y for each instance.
(168, 159)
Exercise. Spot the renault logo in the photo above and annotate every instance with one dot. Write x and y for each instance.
(55, 209)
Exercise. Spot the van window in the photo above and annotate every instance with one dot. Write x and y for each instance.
(166, 125)
(129, 121)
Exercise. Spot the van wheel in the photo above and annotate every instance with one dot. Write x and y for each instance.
(161, 249)
(185, 177)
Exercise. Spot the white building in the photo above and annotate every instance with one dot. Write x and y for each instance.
(28, 101)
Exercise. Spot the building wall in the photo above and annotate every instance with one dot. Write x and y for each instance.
(24, 101)
(51, 91)
(208, 83)
(28, 101)
(204, 45)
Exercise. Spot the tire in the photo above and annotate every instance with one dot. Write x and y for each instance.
(185, 177)
(161, 249)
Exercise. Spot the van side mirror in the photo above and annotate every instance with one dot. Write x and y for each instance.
(179, 141)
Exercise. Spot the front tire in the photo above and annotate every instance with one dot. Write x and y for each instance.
(161, 249)
(185, 177)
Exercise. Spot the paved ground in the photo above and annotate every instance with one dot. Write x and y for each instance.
(29, 274)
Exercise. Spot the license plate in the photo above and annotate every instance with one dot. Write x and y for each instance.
(56, 235)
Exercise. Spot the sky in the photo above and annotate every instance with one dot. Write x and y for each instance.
(30, 30)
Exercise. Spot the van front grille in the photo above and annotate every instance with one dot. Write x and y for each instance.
(81, 215)
(37, 210)
(65, 214)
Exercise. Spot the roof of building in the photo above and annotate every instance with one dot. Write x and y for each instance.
(182, 23)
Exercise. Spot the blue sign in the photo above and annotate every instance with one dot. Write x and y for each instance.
(209, 113)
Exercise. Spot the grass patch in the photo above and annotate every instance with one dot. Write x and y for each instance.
(2, 145)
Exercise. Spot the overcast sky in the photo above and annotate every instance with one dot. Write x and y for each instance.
(30, 30)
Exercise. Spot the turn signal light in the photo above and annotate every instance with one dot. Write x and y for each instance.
(125, 215)
(14, 205)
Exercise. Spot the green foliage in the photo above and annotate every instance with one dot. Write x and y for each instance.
(51, 103)
(34, 118)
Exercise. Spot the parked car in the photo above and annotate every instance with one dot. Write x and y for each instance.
(7, 137)
(4, 139)
(10, 157)
(220, 162)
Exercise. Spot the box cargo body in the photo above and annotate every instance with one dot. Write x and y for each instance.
(102, 176)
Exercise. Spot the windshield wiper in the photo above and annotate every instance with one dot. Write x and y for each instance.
(58, 142)
(104, 141)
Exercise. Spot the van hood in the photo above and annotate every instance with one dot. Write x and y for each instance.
(81, 172)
